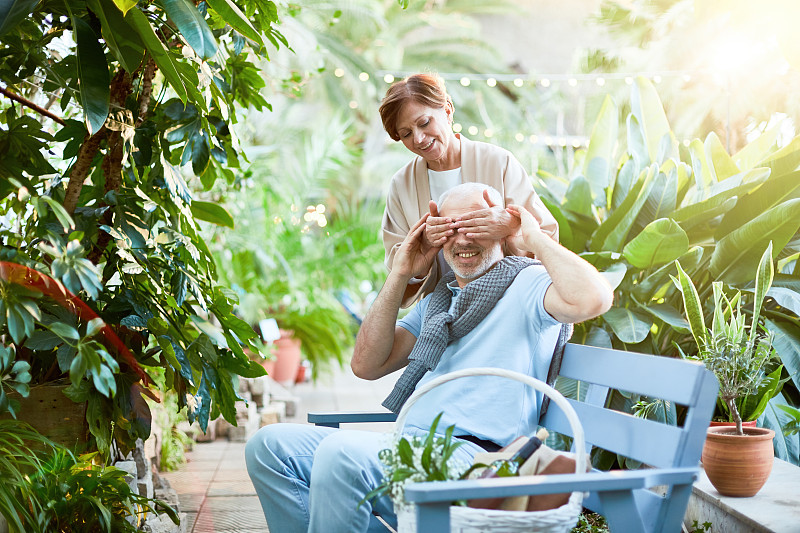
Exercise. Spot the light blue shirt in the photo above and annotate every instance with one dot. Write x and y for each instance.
(518, 334)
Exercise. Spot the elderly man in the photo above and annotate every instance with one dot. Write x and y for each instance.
(491, 310)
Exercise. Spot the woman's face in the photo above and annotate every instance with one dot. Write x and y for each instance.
(426, 132)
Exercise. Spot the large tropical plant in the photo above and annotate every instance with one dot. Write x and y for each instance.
(114, 114)
(633, 208)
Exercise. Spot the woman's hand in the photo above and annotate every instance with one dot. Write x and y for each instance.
(414, 257)
(437, 229)
(492, 223)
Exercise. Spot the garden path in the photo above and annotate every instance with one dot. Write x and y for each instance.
(213, 487)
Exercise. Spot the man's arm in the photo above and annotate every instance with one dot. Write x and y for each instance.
(578, 291)
(381, 347)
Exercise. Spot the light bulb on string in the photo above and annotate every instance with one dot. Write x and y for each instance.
(363, 76)
(491, 82)
(600, 81)
(465, 81)
(473, 130)
(518, 82)
(544, 82)
(388, 78)
(572, 82)
(339, 72)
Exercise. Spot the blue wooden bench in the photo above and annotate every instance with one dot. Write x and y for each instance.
(671, 453)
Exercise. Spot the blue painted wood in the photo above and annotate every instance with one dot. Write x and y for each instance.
(652, 375)
(433, 518)
(621, 496)
(648, 441)
(335, 418)
(529, 485)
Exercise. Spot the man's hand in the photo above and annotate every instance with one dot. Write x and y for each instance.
(437, 229)
(415, 256)
(529, 229)
(493, 223)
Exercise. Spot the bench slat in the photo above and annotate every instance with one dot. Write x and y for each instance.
(648, 441)
(654, 376)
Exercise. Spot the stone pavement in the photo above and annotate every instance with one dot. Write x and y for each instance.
(213, 487)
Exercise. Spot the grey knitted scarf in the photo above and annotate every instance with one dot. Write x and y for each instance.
(441, 327)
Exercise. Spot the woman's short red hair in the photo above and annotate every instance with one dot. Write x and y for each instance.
(426, 89)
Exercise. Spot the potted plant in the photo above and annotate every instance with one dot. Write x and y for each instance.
(737, 460)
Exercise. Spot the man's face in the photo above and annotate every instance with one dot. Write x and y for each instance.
(469, 258)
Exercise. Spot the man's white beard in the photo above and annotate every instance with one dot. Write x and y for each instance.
(487, 261)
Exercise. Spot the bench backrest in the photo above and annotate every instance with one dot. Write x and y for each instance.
(653, 443)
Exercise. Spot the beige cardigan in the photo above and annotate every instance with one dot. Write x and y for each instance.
(409, 194)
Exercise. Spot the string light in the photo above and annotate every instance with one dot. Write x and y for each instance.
(572, 82)
(600, 81)
(473, 130)
(545, 82)
(363, 76)
(353, 104)
(518, 82)
(339, 72)
(657, 79)
(465, 81)
(491, 82)
(488, 132)
(388, 78)
(519, 137)
(457, 127)
(628, 80)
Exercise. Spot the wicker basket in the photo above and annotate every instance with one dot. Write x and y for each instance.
(471, 520)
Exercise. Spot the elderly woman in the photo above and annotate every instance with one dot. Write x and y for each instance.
(419, 112)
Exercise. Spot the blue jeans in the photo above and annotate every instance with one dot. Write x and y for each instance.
(310, 479)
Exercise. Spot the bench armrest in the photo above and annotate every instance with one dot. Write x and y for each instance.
(505, 487)
(335, 418)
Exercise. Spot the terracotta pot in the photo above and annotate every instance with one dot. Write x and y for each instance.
(287, 358)
(738, 465)
(748, 424)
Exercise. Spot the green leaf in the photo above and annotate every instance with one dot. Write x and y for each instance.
(93, 76)
(612, 232)
(192, 26)
(161, 55)
(692, 307)
(631, 327)
(122, 40)
(722, 165)
(669, 315)
(94, 326)
(64, 331)
(759, 198)
(647, 108)
(231, 14)
(104, 382)
(755, 151)
(578, 197)
(764, 274)
(660, 242)
(405, 452)
(61, 214)
(737, 254)
(175, 182)
(125, 5)
(212, 212)
(77, 369)
(12, 12)
(599, 160)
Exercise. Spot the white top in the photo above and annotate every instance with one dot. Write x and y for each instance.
(441, 181)
(518, 334)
